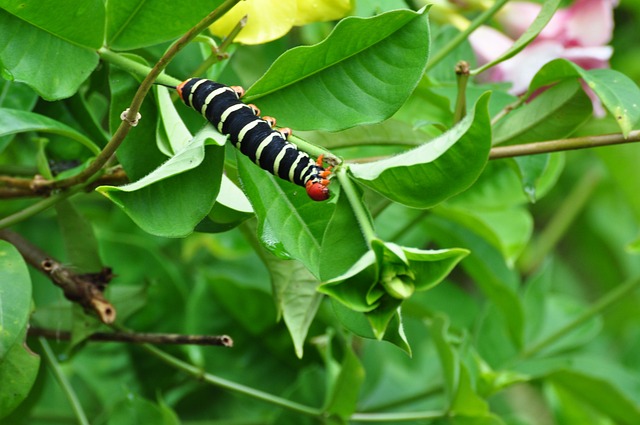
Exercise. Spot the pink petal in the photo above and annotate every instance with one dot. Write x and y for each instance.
(520, 69)
(488, 44)
(517, 16)
(590, 22)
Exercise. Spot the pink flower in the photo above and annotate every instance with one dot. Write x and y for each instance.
(578, 33)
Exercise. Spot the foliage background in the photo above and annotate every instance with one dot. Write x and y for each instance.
(538, 325)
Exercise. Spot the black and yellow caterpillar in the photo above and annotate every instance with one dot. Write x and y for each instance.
(255, 136)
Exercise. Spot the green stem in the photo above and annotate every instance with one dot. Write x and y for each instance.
(462, 75)
(38, 207)
(612, 297)
(563, 145)
(131, 116)
(356, 204)
(564, 216)
(230, 385)
(398, 417)
(64, 382)
(461, 37)
(314, 150)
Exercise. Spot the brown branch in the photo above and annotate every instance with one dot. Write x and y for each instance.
(85, 289)
(559, 145)
(19, 187)
(139, 338)
(132, 112)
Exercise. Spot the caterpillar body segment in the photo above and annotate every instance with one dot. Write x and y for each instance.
(254, 136)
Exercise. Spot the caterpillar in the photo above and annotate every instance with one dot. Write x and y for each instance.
(255, 136)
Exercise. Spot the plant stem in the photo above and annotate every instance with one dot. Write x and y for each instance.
(356, 204)
(38, 207)
(563, 145)
(230, 385)
(613, 296)
(398, 417)
(131, 115)
(458, 39)
(64, 382)
(462, 75)
(565, 214)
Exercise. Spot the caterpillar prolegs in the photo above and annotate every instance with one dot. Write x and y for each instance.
(255, 136)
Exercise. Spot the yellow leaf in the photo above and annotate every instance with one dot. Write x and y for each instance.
(321, 10)
(267, 20)
(271, 19)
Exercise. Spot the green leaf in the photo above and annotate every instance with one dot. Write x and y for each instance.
(547, 12)
(489, 271)
(360, 325)
(176, 196)
(13, 122)
(176, 133)
(18, 370)
(342, 399)
(554, 114)
(80, 241)
(136, 410)
(618, 93)
(600, 394)
(52, 66)
(386, 275)
(135, 24)
(15, 297)
(231, 208)
(437, 170)
(290, 224)
(78, 22)
(361, 74)
(449, 359)
(296, 297)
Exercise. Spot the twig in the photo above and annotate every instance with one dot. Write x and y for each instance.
(19, 187)
(559, 145)
(85, 289)
(125, 126)
(139, 338)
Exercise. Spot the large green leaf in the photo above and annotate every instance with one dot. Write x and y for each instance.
(13, 121)
(15, 296)
(618, 93)
(437, 170)
(53, 66)
(18, 365)
(78, 22)
(176, 196)
(342, 399)
(489, 271)
(296, 296)
(554, 114)
(18, 370)
(600, 394)
(362, 73)
(141, 23)
(290, 224)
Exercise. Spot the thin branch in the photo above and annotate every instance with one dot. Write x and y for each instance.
(198, 373)
(131, 115)
(67, 389)
(617, 294)
(139, 338)
(85, 289)
(559, 145)
(19, 187)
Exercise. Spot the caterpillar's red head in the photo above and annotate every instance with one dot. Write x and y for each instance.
(318, 191)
